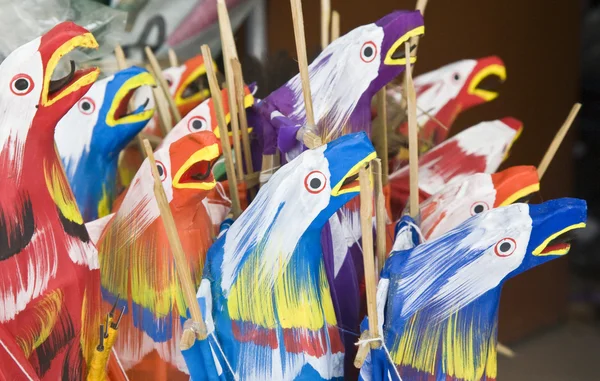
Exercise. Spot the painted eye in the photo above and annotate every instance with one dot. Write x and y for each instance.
(197, 123)
(479, 207)
(315, 182)
(368, 52)
(21, 84)
(86, 105)
(456, 77)
(162, 171)
(505, 247)
(169, 80)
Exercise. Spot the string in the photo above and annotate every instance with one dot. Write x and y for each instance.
(379, 339)
(235, 376)
(266, 174)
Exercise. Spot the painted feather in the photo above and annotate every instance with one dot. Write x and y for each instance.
(91, 135)
(442, 296)
(271, 305)
(481, 148)
(136, 260)
(49, 290)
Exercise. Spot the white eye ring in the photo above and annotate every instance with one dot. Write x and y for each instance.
(368, 52)
(86, 105)
(21, 84)
(315, 182)
(479, 207)
(162, 170)
(196, 124)
(505, 247)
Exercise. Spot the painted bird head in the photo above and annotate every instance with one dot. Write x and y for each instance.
(188, 83)
(474, 194)
(453, 270)
(204, 118)
(100, 121)
(30, 98)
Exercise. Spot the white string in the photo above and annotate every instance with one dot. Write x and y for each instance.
(266, 174)
(417, 229)
(379, 339)
(16, 362)
(235, 376)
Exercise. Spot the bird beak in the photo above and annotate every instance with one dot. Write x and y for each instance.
(515, 184)
(193, 87)
(396, 55)
(117, 114)
(248, 102)
(515, 125)
(196, 171)
(59, 41)
(488, 75)
(553, 223)
(357, 151)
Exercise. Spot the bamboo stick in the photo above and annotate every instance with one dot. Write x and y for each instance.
(229, 53)
(335, 25)
(325, 21)
(556, 142)
(173, 61)
(382, 143)
(122, 65)
(366, 223)
(421, 5)
(162, 83)
(413, 142)
(311, 139)
(165, 123)
(380, 214)
(185, 277)
(218, 103)
(239, 97)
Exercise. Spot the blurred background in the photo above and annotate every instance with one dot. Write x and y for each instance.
(549, 315)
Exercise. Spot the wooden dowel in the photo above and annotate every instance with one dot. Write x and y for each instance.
(173, 61)
(268, 162)
(181, 265)
(162, 83)
(229, 53)
(218, 103)
(164, 118)
(335, 25)
(413, 142)
(239, 97)
(122, 65)
(380, 214)
(325, 20)
(505, 351)
(382, 142)
(421, 5)
(556, 142)
(366, 223)
(311, 138)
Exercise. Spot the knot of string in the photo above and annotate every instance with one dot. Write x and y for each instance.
(380, 340)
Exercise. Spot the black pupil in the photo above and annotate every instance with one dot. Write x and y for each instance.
(368, 51)
(21, 84)
(456, 77)
(504, 247)
(315, 183)
(86, 106)
(160, 170)
(197, 124)
(169, 82)
(478, 208)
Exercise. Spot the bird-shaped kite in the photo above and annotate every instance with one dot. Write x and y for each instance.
(481, 148)
(442, 296)
(343, 80)
(474, 194)
(93, 133)
(271, 305)
(49, 288)
(136, 261)
(445, 93)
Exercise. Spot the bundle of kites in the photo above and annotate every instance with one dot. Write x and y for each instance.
(154, 226)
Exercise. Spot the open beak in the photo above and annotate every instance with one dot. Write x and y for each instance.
(486, 78)
(118, 113)
(54, 45)
(248, 102)
(396, 55)
(558, 243)
(193, 88)
(350, 183)
(196, 172)
(515, 184)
